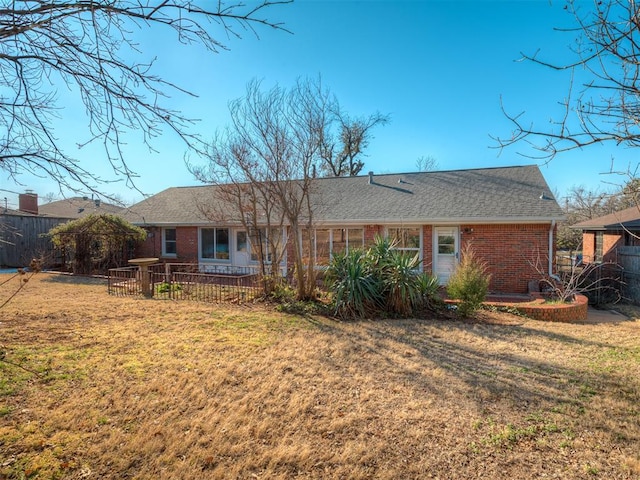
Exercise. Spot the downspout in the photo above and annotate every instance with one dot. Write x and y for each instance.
(553, 225)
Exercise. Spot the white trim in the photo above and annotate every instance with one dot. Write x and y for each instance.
(421, 242)
(385, 221)
(434, 247)
(163, 242)
(222, 261)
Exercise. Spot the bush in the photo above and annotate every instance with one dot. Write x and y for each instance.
(379, 279)
(469, 283)
(428, 287)
(356, 290)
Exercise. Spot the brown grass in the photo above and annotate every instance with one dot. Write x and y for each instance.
(149, 389)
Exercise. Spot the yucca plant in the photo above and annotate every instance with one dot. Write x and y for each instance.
(399, 278)
(428, 286)
(380, 278)
(356, 290)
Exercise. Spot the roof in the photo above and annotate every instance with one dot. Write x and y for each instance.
(628, 219)
(77, 207)
(496, 195)
(18, 213)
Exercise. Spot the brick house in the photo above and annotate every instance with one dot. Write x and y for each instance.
(508, 215)
(602, 236)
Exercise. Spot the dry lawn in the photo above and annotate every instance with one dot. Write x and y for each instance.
(129, 388)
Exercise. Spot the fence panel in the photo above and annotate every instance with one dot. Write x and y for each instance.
(185, 282)
(124, 282)
(629, 258)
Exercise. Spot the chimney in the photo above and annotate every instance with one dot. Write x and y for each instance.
(370, 178)
(28, 202)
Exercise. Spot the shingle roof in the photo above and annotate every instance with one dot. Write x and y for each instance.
(628, 218)
(76, 207)
(509, 194)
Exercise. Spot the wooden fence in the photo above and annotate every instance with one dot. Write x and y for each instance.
(23, 238)
(629, 260)
(186, 282)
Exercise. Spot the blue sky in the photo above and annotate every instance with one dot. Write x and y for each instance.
(438, 68)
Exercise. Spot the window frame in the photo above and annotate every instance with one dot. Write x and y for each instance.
(348, 244)
(265, 236)
(201, 245)
(417, 249)
(165, 242)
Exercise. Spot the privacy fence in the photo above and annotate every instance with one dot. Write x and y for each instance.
(629, 259)
(608, 282)
(182, 281)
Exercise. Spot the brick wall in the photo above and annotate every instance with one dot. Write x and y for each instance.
(588, 246)
(370, 232)
(514, 253)
(557, 312)
(509, 250)
(152, 246)
(186, 244)
(610, 243)
(427, 248)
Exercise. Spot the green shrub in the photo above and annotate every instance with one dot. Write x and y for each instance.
(469, 283)
(379, 279)
(398, 274)
(356, 290)
(428, 286)
(166, 287)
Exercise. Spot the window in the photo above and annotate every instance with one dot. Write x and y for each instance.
(346, 238)
(214, 243)
(265, 240)
(407, 239)
(323, 246)
(446, 244)
(169, 242)
(334, 240)
(241, 241)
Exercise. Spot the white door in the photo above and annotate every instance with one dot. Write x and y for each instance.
(445, 252)
(241, 251)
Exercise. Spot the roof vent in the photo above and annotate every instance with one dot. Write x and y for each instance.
(370, 178)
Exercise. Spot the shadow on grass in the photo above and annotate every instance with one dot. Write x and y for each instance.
(70, 278)
(513, 372)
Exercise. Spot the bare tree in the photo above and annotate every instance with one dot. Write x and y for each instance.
(241, 197)
(268, 157)
(426, 164)
(606, 107)
(342, 152)
(90, 47)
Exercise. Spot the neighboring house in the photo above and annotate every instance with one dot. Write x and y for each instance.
(23, 231)
(507, 215)
(77, 207)
(602, 236)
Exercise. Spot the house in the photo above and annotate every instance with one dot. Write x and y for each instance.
(77, 207)
(507, 215)
(603, 236)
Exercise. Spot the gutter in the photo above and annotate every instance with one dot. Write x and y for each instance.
(553, 224)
